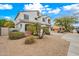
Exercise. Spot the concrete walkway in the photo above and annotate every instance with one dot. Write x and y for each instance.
(74, 44)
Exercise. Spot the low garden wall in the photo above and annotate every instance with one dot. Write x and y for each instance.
(4, 31)
(12, 29)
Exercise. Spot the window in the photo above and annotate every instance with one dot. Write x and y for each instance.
(36, 19)
(26, 16)
(26, 27)
(43, 19)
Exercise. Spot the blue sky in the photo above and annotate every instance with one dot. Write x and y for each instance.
(54, 10)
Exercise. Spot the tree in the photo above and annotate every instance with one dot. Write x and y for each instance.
(2, 21)
(6, 23)
(9, 24)
(65, 22)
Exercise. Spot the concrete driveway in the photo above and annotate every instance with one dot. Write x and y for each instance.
(74, 43)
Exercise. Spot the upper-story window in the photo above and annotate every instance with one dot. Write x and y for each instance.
(26, 16)
(48, 20)
(43, 19)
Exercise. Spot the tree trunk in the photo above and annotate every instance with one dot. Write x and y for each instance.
(41, 34)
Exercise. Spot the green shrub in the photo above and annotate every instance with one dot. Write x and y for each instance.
(46, 31)
(34, 28)
(30, 40)
(16, 35)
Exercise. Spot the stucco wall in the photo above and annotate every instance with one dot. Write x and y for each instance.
(21, 27)
(32, 16)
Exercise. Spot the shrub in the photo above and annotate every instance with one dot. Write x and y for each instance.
(46, 31)
(30, 40)
(16, 35)
(34, 28)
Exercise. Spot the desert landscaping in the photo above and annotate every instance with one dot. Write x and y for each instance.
(50, 45)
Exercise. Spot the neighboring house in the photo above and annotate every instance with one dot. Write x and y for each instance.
(30, 16)
(58, 29)
(76, 26)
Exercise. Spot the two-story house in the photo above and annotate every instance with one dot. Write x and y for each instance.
(30, 16)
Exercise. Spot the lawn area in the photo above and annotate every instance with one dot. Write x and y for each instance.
(50, 45)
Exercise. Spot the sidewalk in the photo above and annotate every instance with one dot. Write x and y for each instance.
(73, 49)
(74, 44)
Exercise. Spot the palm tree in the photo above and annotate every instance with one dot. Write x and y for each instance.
(66, 22)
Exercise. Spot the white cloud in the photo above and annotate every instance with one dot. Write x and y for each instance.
(55, 11)
(43, 12)
(36, 6)
(71, 7)
(46, 5)
(48, 8)
(42, 8)
(5, 6)
(7, 17)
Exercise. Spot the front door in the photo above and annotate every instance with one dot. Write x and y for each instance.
(26, 27)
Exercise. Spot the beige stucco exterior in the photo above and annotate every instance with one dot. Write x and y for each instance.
(20, 21)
